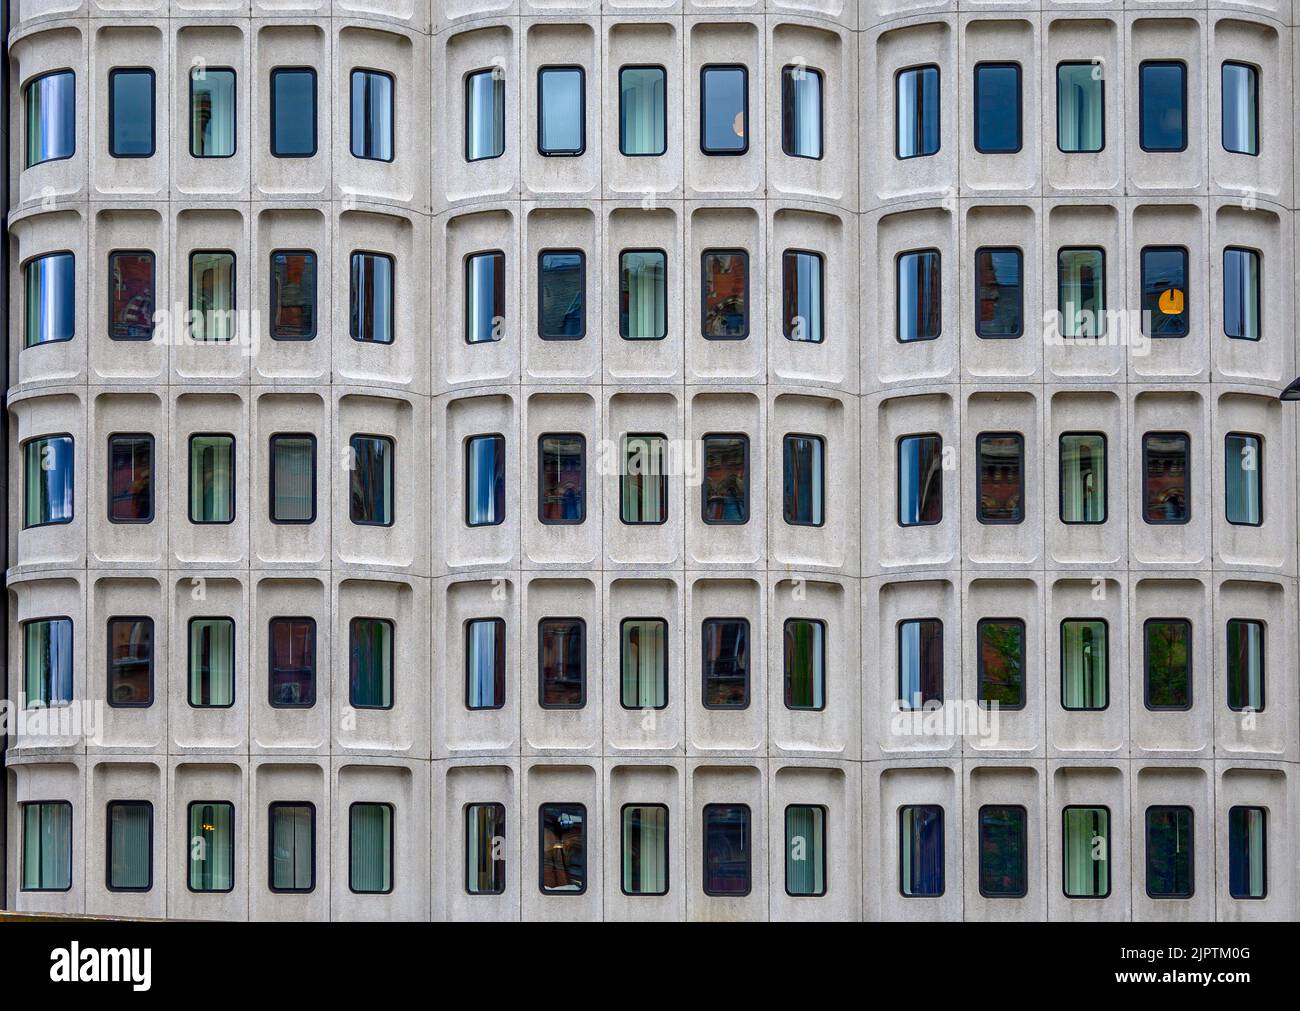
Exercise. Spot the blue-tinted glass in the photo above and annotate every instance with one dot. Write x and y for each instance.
(997, 107)
(642, 126)
(1247, 852)
(920, 662)
(485, 115)
(1240, 108)
(47, 492)
(725, 491)
(293, 113)
(370, 492)
(485, 480)
(372, 115)
(372, 298)
(802, 289)
(51, 117)
(724, 110)
(727, 857)
(920, 480)
(918, 296)
(485, 297)
(47, 661)
(805, 480)
(562, 314)
(1163, 115)
(999, 298)
(1241, 318)
(917, 112)
(50, 299)
(801, 112)
(1164, 291)
(485, 668)
(131, 126)
(920, 859)
(560, 111)
(1080, 122)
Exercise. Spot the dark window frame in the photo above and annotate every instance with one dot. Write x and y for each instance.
(619, 288)
(821, 111)
(582, 107)
(744, 93)
(153, 290)
(1024, 843)
(1020, 117)
(273, 286)
(825, 671)
(821, 292)
(704, 298)
(108, 846)
(979, 509)
(1101, 98)
(270, 842)
(153, 110)
(1020, 292)
(234, 296)
(1187, 469)
(392, 456)
(493, 73)
(898, 661)
(943, 850)
(465, 456)
(1187, 283)
(26, 118)
(1061, 664)
(1258, 254)
(582, 518)
(622, 848)
(501, 810)
(392, 112)
(1264, 812)
(825, 461)
(1146, 665)
(315, 117)
(898, 287)
(898, 74)
(1142, 105)
(500, 256)
(392, 660)
(826, 867)
(234, 117)
(108, 639)
(1024, 662)
(1191, 851)
(704, 667)
(744, 437)
(392, 294)
(665, 495)
(22, 831)
(270, 654)
(1258, 78)
(392, 854)
(667, 649)
(748, 844)
(26, 307)
(189, 658)
(541, 841)
(1259, 471)
(541, 680)
(1263, 663)
(270, 457)
(1060, 478)
(152, 462)
(234, 478)
(898, 471)
(234, 846)
(582, 256)
(1065, 876)
(22, 450)
(642, 66)
(500, 624)
(21, 672)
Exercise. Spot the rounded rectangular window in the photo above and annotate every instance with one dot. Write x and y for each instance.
(293, 295)
(1083, 477)
(644, 848)
(1004, 851)
(725, 287)
(1245, 665)
(1243, 481)
(1167, 661)
(212, 295)
(372, 115)
(562, 295)
(130, 846)
(1000, 457)
(728, 855)
(916, 112)
(1162, 105)
(485, 480)
(371, 298)
(1165, 477)
(485, 663)
(1169, 841)
(725, 647)
(920, 851)
(997, 108)
(212, 112)
(1080, 108)
(130, 662)
(292, 840)
(643, 294)
(561, 111)
(642, 121)
(562, 479)
(999, 292)
(370, 486)
(485, 836)
(47, 846)
(131, 112)
(919, 315)
(805, 664)
(210, 847)
(370, 848)
(805, 850)
(1085, 848)
(47, 661)
(212, 478)
(1240, 108)
(485, 115)
(51, 117)
(1085, 656)
(920, 480)
(724, 109)
(131, 295)
(920, 662)
(1241, 302)
(724, 495)
(644, 663)
(293, 112)
(804, 476)
(51, 299)
(485, 297)
(212, 663)
(562, 840)
(370, 663)
(801, 112)
(1164, 291)
(293, 478)
(1247, 852)
(803, 291)
(47, 480)
(643, 484)
(292, 663)
(1001, 645)
(562, 663)
(1081, 292)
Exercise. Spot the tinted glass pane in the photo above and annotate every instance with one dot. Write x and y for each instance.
(293, 830)
(1247, 852)
(372, 115)
(805, 480)
(1080, 124)
(1163, 112)
(1004, 845)
(644, 484)
(212, 478)
(130, 296)
(212, 847)
(726, 849)
(644, 663)
(641, 117)
(920, 839)
(564, 848)
(485, 861)
(726, 294)
(563, 311)
(805, 664)
(370, 848)
(643, 295)
(920, 480)
(999, 298)
(51, 117)
(51, 299)
(1085, 835)
(920, 662)
(293, 662)
(560, 111)
(997, 107)
(725, 493)
(724, 110)
(485, 663)
(1002, 662)
(1240, 108)
(1164, 477)
(801, 112)
(562, 663)
(293, 478)
(726, 663)
(919, 316)
(47, 846)
(370, 663)
(1241, 317)
(1245, 665)
(130, 478)
(645, 849)
(802, 289)
(1081, 292)
(562, 495)
(212, 662)
(1084, 656)
(1001, 460)
(485, 480)
(1243, 465)
(1164, 291)
(130, 130)
(485, 115)
(805, 850)
(293, 296)
(371, 298)
(1169, 852)
(212, 113)
(1168, 664)
(370, 488)
(47, 661)
(293, 113)
(48, 477)
(130, 846)
(485, 297)
(130, 661)
(1083, 478)
(916, 112)
(212, 295)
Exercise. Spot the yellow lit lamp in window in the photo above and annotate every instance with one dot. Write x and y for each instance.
(1171, 301)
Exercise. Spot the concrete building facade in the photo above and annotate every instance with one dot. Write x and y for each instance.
(692, 682)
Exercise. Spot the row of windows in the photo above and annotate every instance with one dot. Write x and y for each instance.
(561, 111)
(645, 466)
(727, 848)
(725, 663)
(562, 304)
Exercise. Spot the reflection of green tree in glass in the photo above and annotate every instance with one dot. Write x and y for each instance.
(1167, 670)
(1002, 662)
